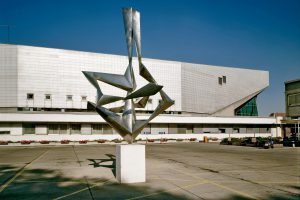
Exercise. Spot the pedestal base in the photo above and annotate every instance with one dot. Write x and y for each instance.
(130, 163)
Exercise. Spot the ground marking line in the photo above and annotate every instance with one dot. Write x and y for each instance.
(169, 190)
(218, 185)
(250, 171)
(279, 182)
(261, 182)
(232, 190)
(253, 182)
(82, 190)
(5, 185)
(171, 179)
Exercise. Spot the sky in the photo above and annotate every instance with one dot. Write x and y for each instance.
(255, 34)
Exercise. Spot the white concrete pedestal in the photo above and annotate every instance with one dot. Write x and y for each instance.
(130, 163)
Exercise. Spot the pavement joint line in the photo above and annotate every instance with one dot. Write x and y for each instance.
(20, 181)
(236, 181)
(82, 190)
(85, 178)
(6, 184)
(184, 189)
(171, 179)
(218, 185)
(169, 190)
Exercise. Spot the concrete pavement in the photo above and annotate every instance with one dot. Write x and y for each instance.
(174, 171)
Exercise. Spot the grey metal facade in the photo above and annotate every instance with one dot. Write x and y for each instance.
(203, 93)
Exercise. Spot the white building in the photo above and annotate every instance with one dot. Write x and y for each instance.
(43, 95)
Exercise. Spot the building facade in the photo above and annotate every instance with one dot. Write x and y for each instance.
(44, 94)
(292, 98)
(291, 123)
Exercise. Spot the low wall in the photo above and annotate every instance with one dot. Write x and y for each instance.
(200, 136)
(78, 137)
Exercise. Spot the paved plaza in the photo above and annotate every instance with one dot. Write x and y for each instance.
(174, 171)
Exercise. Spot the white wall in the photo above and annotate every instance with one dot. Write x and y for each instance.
(12, 122)
(8, 75)
(58, 72)
(78, 137)
(13, 128)
(163, 119)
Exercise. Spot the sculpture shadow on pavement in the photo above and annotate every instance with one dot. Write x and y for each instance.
(109, 162)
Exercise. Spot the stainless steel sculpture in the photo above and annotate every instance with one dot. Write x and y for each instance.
(126, 124)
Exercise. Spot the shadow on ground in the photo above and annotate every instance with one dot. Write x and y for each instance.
(105, 162)
(49, 184)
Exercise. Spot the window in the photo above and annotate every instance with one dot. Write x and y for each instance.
(247, 109)
(69, 97)
(53, 129)
(83, 98)
(222, 130)
(96, 128)
(30, 96)
(220, 80)
(224, 79)
(294, 99)
(249, 130)
(149, 101)
(75, 128)
(264, 130)
(184, 128)
(63, 129)
(47, 96)
(107, 129)
(28, 128)
(236, 130)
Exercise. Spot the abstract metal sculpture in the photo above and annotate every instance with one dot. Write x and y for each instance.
(126, 124)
